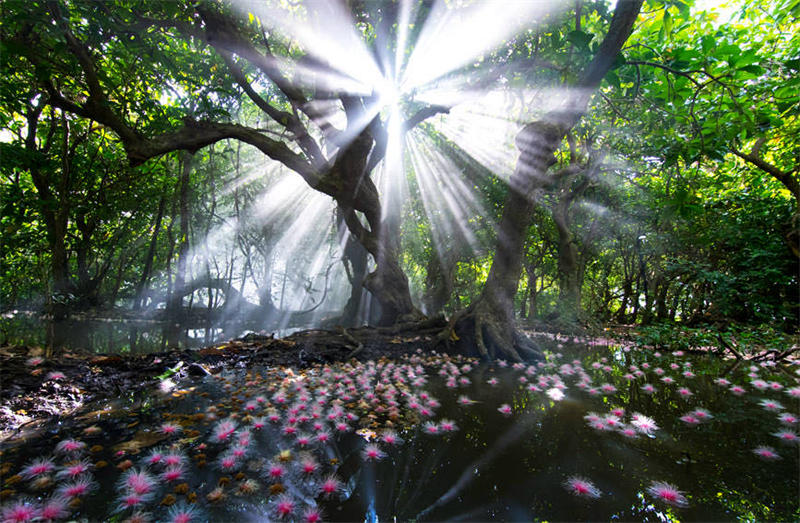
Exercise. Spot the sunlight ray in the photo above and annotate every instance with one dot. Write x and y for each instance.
(451, 207)
(325, 30)
(457, 34)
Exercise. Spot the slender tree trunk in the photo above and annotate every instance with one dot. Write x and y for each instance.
(568, 267)
(183, 248)
(141, 286)
(354, 258)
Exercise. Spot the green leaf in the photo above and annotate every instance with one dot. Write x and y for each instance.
(757, 70)
(579, 39)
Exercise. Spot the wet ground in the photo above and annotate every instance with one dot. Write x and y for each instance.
(598, 432)
(37, 387)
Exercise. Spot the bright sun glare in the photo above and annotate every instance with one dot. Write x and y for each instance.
(481, 123)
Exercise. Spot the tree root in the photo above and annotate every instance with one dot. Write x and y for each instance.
(482, 330)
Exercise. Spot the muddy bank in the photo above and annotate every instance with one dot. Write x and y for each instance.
(35, 389)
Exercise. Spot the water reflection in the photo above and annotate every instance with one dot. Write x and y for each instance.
(115, 336)
(494, 466)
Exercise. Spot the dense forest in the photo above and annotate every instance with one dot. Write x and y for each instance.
(569, 164)
(399, 260)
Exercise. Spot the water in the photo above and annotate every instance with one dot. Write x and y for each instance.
(493, 467)
(112, 336)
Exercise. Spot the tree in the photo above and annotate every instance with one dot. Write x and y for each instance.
(489, 321)
(65, 49)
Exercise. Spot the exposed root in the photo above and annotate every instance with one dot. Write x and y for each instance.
(483, 331)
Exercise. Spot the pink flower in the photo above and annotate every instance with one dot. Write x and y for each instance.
(689, 419)
(643, 423)
(312, 515)
(581, 487)
(174, 473)
(667, 493)
(504, 409)
(74, 470)
(38, 467)
(390, 437)
(137, 482)
(372, 452)
(284, 507)
(170, 429)
(55, 508)
(276, 472)
(20, 512)
(330, 486)
(78, 488)
(448, 425)
(787, 436)
(308, 465)
(183, 513)
(702, 414)
(70, 446)
(771, 405)
(767, 453)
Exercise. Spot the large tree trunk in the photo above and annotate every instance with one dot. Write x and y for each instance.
(355, 192)
(490, 320)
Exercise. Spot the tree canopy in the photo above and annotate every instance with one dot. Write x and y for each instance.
(347, 162)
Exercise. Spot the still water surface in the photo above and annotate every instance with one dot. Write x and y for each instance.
(493, 466)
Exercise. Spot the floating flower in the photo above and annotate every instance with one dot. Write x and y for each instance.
(767, 453)
(138, 482)
(184, 513)
(330, 486)
(78, 488)
(581, 487)
(70, 446)
(702, 414)
(505, 409)
(771, 405)
(37, 468)
(75, 469)
(667, 493)
(786, 436)
(170, 429)
(55, 508)
(284, 507)
(372, 452)
(689, 419)
(312, 515)
(643, 424)
(20, 512)
(447, 425)
(555, 394)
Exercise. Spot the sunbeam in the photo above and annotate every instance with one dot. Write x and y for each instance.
(455, 35)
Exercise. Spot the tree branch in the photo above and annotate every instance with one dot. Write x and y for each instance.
(787, 178)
